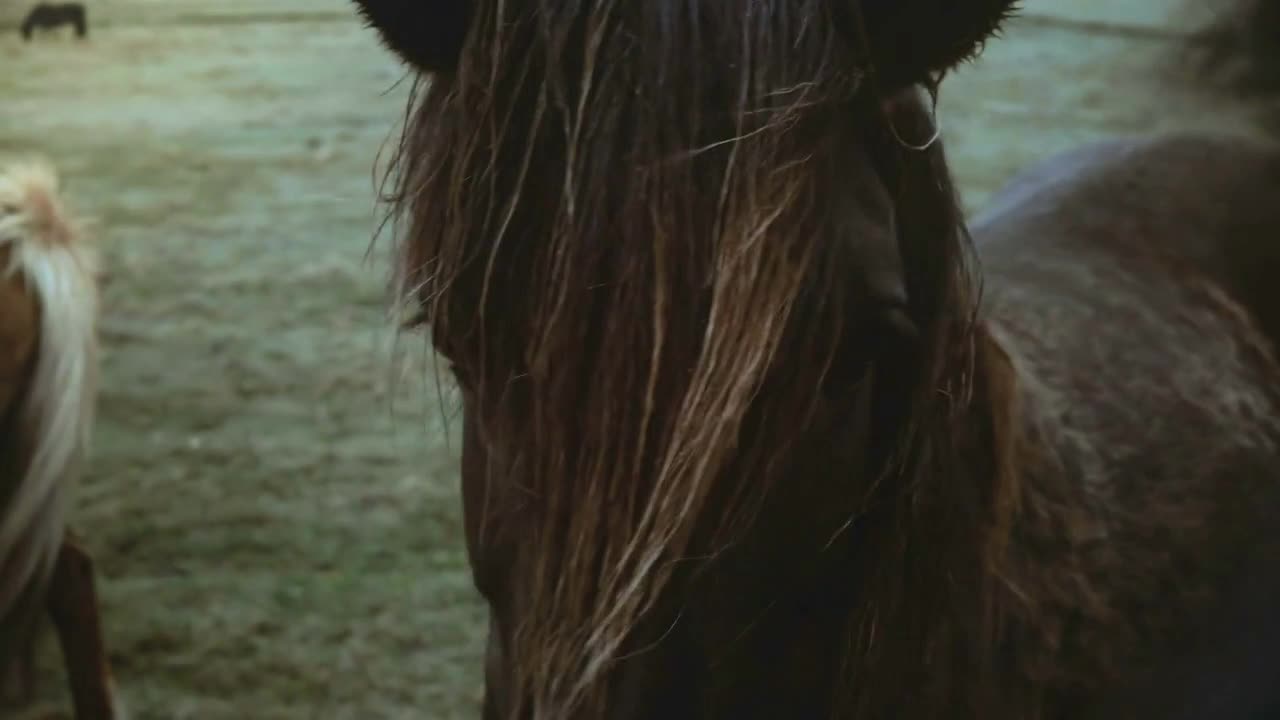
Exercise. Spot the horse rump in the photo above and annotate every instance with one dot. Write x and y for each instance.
(49, 16)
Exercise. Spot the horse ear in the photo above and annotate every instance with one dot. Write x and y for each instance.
(913, 41)
(427, 34)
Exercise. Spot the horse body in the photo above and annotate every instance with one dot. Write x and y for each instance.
(50, 16)
(48, 367)
(1132, 319)
(765, 453)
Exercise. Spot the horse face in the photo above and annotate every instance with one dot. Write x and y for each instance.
(782, 665)
(802, 516)
(781, 668)
(488, 553)
(909, 40)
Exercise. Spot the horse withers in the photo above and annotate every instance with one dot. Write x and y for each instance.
(48, 368)
(51, 16)
(742, 438)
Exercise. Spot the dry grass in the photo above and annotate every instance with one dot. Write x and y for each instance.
(272, 502)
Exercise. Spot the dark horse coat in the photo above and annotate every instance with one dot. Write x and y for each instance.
(743, 439)
(49, 16)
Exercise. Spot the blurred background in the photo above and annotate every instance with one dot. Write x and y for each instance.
(272, 499)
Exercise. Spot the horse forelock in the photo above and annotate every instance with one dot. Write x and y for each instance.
(618, 230)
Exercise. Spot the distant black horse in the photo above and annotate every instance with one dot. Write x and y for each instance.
(54, 15)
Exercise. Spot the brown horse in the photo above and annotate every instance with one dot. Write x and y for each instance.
(743, 439)
(48, 365)
(1230, 665)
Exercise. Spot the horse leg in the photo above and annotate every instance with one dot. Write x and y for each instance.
(20, 679)
(73, 605)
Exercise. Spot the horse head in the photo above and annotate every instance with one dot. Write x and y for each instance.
(696, 280)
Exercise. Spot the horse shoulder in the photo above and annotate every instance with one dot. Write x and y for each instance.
(1121, 285)
(1176, 176)
(19, 336)
(1204, 203)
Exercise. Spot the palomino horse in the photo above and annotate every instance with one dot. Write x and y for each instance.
(49, 16)
(740, 439)
(48, 367)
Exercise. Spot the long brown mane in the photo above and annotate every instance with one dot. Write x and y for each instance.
(629, 232)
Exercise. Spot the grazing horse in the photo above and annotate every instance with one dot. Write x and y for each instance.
(753, 429)
(49, 16)
(48, 368)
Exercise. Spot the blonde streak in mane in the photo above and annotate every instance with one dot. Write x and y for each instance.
(61, 272)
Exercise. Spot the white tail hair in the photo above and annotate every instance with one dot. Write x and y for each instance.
(47, 250)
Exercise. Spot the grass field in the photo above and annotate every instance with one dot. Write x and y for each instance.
(272, 500)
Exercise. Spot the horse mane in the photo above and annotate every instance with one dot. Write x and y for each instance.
(51, 15)
(628, 230)
(46, 248)
(1242, 51)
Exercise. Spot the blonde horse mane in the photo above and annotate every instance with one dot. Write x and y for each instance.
(47, 250)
